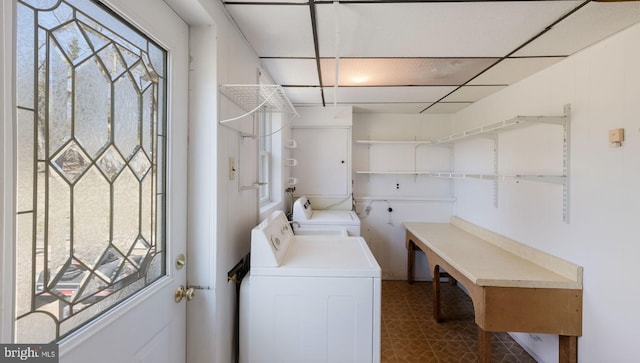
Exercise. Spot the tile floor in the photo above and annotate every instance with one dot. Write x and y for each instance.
(409, 333)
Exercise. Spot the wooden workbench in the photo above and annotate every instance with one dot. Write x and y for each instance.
(514, 288)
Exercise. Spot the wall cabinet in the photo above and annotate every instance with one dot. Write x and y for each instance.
(322, 161)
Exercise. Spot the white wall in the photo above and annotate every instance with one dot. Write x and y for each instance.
(602, 84)
(202, 225)
(411, 198)
(222, 213)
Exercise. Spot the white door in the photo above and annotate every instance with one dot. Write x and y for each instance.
(101, 68)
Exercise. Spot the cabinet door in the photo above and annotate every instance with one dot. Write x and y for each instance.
(323, 161)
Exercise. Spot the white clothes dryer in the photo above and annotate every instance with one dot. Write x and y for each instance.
(311, 299)
(305, 217)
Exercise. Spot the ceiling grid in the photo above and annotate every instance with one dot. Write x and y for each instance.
(417, 56)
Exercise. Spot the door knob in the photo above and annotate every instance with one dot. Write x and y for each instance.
(183, 293)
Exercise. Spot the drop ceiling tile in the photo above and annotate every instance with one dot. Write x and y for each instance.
(512, 70)
(443, 107)
(472, 93)
(410, 108)
(386, 94)
(402, 71)
(303, 95)
(275, 30)
(592, 23)
(292, 71)
(433, 29)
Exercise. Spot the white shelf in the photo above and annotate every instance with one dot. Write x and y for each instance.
(395, 198)
(415, 143)
(433, 174)
(290, 162)
(258, 98)
(395, 142)
(372, 172)
(553, 179)
(490, 129)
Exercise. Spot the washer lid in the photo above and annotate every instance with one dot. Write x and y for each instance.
(331, 217)
(312, 256)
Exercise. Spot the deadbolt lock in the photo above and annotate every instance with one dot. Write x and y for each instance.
(181, 260)
(183, 293)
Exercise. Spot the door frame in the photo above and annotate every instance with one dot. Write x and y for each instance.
(7, 169)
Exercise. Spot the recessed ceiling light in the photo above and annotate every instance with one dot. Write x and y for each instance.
(359, 79)
(403, 71)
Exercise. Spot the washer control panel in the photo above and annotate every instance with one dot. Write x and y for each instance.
(270, 240)
(302, 210)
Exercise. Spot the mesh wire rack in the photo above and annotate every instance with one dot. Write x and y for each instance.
(258, 98)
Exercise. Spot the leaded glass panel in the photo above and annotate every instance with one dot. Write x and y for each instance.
(25, 61)
(90, 131)
(92, 107)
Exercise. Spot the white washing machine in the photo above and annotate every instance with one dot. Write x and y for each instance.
(309, 299)
(305, 217)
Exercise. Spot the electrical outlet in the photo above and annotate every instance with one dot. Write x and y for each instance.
(232, 168)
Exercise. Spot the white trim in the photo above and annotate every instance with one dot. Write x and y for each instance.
(7, 171)
(266, 166)
(203, 187)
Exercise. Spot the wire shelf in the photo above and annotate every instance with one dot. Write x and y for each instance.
(513, 123)
(403, 142)
(258, 98)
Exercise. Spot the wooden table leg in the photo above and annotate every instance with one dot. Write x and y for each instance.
(484, 346)
(568, 348)
(411, 257)
(436, 293)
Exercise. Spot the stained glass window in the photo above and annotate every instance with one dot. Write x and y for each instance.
(91, 143)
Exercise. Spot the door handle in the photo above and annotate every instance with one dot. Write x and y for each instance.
(184, 293)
